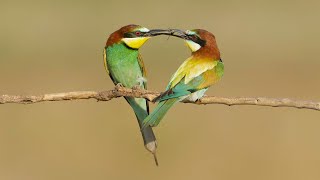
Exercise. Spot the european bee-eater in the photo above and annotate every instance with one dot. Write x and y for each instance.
(125, 66)
(203, 69)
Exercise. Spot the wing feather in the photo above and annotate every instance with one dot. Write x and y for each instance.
(105, 60)
(191, 76)
(144, 74)
(190, 69)
(143, 70)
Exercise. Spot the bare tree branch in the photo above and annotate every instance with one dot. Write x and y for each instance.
(119, 91)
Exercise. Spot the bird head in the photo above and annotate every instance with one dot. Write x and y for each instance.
(200, 42)
(134, 36)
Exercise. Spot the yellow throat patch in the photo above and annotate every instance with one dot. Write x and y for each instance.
(193, 46)
(135, 43)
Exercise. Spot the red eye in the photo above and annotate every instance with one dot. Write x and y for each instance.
(138, 33)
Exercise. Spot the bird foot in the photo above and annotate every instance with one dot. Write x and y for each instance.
(198, 101)
(141, 80)
(119, 85)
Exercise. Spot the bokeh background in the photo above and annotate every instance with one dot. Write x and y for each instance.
(270, 48)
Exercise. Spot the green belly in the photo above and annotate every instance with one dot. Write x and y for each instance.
(123, 65)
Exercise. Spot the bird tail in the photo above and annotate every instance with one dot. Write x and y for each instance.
(141, 110)
(158, 113)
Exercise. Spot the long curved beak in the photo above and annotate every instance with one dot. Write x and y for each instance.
(170, 32)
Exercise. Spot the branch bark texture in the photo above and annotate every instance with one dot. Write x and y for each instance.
(119, 91)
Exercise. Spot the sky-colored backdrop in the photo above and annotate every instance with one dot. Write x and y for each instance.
(270, 48)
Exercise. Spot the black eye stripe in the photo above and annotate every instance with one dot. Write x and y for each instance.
(129, 35)
(133, 34)
(201, 42)
(198, 40)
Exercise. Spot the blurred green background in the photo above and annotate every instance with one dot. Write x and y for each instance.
(270, 48)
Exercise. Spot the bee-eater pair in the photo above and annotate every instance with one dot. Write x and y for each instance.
(123, 61)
